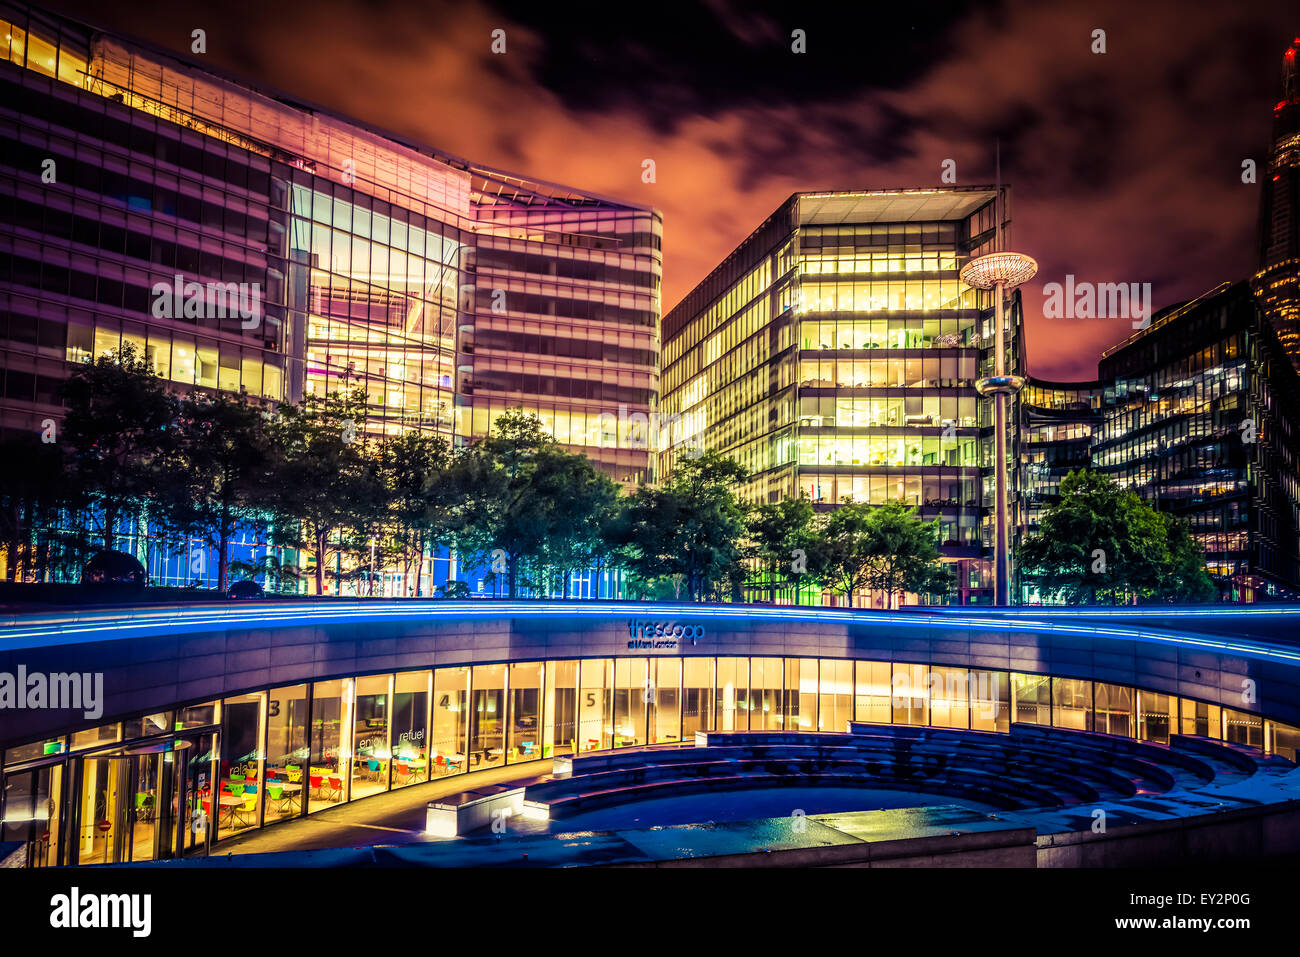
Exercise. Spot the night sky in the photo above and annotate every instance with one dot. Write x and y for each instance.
(1125, 166)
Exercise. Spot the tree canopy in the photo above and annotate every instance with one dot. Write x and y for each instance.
(1102, 544)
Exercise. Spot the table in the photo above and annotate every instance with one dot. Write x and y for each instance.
(225, 801)
(289, 796)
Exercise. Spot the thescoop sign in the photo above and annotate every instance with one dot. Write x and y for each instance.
(660, 635)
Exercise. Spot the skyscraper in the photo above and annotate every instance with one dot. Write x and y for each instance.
(1277, 281)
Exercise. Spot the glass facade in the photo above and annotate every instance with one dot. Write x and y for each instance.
(1197, 415)
(834, 355)
(278, 754)
(240, 242)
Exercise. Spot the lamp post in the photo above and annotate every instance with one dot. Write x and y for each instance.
(1000, 271)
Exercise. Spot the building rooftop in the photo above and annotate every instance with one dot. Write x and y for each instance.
(892, 205)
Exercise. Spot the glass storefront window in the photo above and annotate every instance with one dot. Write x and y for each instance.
(487, 716)
(731, 695)
(370, 750)
(100, 813)
(665, 720)
(835, 696)
(1242, 727)
(32, 803)
(37, 749)
(240, 795)
(1157, 716)
(1031, 701)
(873, 692)
(327, 777)
(799, 707)
(595, 704)
(198, 716)
(525, 711)
(450, 719)
(697, 696)
(949, 697)
(410, 733)
(1113, 709)
(268, 762)
(561, 712)
(990, 693)
(1072, 704)
(93, 737)
(147, 725)
(765, 686)
(286, 751)
(632, 694)
(1201, 719)
(911, 694)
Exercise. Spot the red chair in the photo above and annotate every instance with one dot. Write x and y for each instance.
(317, 783)
(336, 788)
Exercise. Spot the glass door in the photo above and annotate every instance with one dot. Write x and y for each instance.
(32, 803)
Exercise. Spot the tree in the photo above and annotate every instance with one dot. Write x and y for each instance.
(118, 431)
(528, 502)
(582, 501)
(323, 483)
(222, 471)
(1183, 577)
(415, 469)
(1101, 544)
(692, 527)
(782, 538)
(35, 500)
(280, 577)
(884, 548)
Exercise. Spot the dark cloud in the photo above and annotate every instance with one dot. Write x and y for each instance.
(1125, 166)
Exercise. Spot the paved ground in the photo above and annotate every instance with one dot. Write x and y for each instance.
(396, 817)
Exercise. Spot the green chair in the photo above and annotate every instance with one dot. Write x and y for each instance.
(236, 789)
(143, 806)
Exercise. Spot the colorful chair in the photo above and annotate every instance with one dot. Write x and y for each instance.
(336, 788)
(247, 811)
(317, 784)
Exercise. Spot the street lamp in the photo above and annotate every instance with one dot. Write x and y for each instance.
(1000, 271)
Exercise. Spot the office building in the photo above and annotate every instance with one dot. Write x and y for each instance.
(834, 354)
(1199, 416)
(448, 291)
(240, 240)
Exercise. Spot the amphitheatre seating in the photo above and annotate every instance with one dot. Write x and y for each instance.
(1032, 767)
